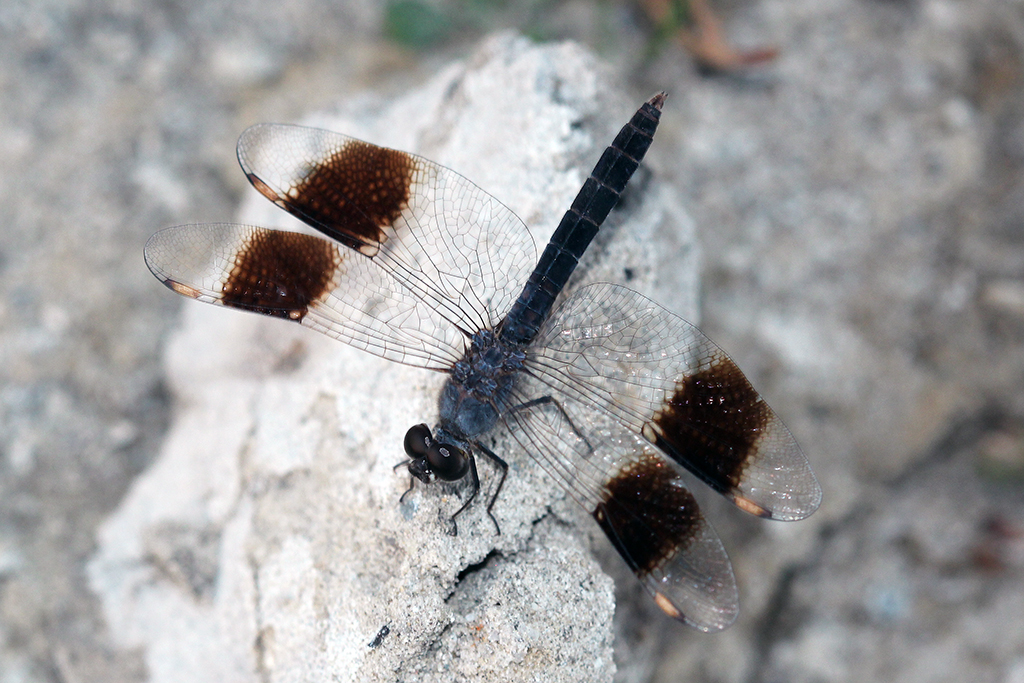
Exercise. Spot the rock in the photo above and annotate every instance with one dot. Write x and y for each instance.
(268, 543)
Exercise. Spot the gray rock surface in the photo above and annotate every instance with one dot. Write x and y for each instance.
(862, 203)
(859, 205)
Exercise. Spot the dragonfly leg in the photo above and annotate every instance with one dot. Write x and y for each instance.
(501, 482)
(475, 481)
(551, 400)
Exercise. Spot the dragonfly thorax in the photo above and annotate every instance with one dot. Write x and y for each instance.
(480, 382)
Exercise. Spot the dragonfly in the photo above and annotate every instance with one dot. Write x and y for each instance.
(612, 395)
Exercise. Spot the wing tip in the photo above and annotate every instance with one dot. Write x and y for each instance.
(181, 288)
(668, 607)
(750, 507)
(723, 617)
(802, 503)
(264, 189)
(798, 509)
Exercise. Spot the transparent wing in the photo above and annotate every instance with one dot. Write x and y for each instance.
(665, 381)
(453, 246)
(638, 498)
(308, 280)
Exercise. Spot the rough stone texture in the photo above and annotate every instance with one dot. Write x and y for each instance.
(267, 539)
(859, 203)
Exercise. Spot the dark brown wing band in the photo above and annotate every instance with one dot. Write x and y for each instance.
(350, 195)
(646, 515)
(711, 425)
(280, 273)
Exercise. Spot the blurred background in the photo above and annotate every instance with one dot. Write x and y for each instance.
(855, 169)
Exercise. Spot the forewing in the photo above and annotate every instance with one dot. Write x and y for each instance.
(457, 248)
(308, 280)
(666, 381)
(640, 501)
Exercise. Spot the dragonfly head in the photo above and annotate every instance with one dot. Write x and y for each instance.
(428, 456)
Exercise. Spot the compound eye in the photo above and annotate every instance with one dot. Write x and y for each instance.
(447, 462)
(418, 441)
